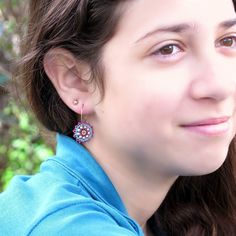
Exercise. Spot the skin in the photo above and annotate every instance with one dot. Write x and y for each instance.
(155, 83)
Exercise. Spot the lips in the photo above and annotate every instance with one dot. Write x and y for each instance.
(209, 127)
(211, 121)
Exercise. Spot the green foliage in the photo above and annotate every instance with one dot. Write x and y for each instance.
(24, 148)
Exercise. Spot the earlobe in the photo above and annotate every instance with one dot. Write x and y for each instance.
(70, 79)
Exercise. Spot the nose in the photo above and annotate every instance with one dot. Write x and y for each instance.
(214, 80)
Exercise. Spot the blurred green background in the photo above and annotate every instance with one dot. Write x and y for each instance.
(23, 145)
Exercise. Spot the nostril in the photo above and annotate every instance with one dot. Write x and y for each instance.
(212, 85)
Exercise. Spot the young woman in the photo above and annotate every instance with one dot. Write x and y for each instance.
(142, 96)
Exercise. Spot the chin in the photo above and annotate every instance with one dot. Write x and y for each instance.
(209, 169)
(207, 165)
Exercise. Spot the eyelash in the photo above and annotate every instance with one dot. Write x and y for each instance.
(175, 48)
(178, 50)
(231, 37)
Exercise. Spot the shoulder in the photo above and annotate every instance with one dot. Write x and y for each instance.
(66, 211)
(83, 218)
(60, 201)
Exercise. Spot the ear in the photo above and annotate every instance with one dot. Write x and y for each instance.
(70, 78)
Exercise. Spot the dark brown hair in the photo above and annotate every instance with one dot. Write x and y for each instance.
(201, 206)
(80, 26)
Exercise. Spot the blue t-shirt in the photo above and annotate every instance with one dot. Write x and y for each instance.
(71, 195)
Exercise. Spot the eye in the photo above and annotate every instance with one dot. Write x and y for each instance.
(168, 53)
(228, 42)
(168, 50)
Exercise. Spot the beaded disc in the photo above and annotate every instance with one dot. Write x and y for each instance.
(83, 132)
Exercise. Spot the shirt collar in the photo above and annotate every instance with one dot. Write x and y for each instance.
(90, 173)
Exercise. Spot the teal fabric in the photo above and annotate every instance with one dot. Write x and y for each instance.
(71, 195)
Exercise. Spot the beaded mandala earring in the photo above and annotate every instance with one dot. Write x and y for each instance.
(83, 131)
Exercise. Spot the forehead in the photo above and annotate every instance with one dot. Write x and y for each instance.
(144, 15)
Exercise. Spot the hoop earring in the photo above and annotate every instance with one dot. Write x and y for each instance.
(83, 131)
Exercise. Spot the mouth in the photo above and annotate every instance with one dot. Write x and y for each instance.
(210, 127)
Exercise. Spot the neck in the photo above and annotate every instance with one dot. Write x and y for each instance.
(141, 197)
(142, 191)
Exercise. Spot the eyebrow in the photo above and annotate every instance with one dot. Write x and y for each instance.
(228, 24)
(180, 28)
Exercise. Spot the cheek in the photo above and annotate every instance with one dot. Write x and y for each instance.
(160, 103)
(155, 109)
(153, 101)
(152, 115)
(144, 99)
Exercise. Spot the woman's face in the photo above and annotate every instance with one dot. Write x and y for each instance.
(170, 73)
